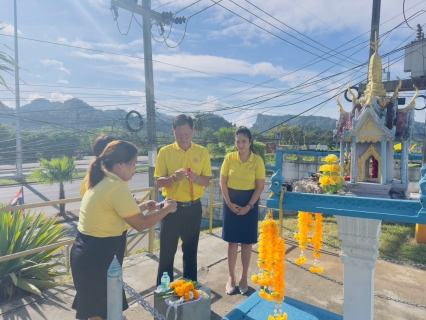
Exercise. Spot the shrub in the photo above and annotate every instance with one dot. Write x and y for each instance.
(19, 233)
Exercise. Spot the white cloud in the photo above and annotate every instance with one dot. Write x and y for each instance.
(63, 81)
(57, 96)
(34, 96)
(9, 29)
(54, 63)
(204, 63)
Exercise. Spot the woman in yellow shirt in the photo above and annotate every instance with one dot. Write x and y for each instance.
(106, 208)
(242, 178)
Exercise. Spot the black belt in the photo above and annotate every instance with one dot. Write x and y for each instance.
(187, 204)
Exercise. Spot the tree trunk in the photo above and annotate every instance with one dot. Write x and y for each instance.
(61, 196)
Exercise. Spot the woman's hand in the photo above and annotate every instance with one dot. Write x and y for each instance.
(243, 210)
(234, 208)
(170, 205)
(151, 205)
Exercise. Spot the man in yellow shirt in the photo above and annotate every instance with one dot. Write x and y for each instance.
(182, 169)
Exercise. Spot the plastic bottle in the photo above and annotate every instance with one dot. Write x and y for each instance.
(165, 281)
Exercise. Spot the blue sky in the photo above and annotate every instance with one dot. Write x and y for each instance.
(239, 56)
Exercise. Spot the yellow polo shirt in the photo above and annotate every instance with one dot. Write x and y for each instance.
(83, 186)
(243, 176)
(172, 158)
(104, 206)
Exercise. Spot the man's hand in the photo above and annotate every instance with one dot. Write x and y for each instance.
(191, 176)
(179, 175)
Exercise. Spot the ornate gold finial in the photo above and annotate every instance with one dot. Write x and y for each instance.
(351, 92)
(395, 94)
(413, 101)
(375, 86)
(375, 44)
(341, 110)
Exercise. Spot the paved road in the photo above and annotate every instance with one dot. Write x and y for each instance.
(35, 193)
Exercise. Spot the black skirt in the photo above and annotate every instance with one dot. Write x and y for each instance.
(240, 229)
(90, 259)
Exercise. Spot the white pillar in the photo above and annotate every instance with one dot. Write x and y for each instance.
(115, 290)
(354, 160)
(383, 178)
(360, 249)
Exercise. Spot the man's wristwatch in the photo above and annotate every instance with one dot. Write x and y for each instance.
(161, 205)
(250, 205)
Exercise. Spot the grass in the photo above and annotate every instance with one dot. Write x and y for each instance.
(396, 240)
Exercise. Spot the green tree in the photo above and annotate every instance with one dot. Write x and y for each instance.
(225, 135)
(198, 123)
(57, 170)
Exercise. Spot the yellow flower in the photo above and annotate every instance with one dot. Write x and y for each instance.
(331, 158)
(326, 181)
(335, 168)
(325, 168)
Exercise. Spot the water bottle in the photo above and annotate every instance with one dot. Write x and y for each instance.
(165, 281)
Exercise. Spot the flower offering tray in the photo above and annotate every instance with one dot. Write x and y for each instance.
(254, 307)
(199, 308)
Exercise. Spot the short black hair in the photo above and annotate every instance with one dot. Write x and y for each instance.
(181, 120)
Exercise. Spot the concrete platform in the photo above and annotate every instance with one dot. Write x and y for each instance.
(256, 308)
(140, 272)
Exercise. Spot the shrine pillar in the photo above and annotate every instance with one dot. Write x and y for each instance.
(383, 160)
(360, 250)
(404, 162)
(353, 159)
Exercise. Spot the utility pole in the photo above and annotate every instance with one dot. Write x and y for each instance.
(375, 23)
(17, 103)
(161, 19)
(149, 92)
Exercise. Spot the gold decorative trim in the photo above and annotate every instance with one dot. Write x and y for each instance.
(368, 133)
(413, 101)
(371, 151)
(354, 99)
(341, 110)
(395, 94)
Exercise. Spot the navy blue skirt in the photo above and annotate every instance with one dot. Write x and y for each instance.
(240, 229)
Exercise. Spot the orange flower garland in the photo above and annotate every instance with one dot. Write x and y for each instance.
(271, 264)
(305, 227)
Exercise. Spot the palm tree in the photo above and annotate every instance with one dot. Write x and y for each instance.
(6, 64)
(56, 170)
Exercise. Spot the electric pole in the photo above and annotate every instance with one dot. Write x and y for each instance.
(160, 19)
(17, 103)
(375, 23)
(149, 92)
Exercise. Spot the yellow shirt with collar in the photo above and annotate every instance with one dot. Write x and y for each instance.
(172, 158)
(104, 207)
(83, 186)
(243, 175)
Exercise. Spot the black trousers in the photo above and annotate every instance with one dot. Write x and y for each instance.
(185, 224)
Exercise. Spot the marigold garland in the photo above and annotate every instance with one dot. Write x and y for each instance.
(305, 227)
(271, 263)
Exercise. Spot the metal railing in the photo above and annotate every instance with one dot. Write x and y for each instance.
(67, 242)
